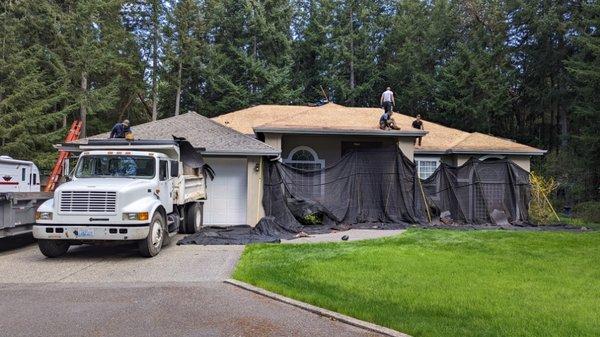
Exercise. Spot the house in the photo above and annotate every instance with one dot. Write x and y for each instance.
(238, 144)
(314, 137)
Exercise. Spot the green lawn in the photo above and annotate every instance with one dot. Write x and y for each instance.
(445, 283)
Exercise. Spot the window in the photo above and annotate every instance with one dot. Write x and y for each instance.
(34, 179)
(174, 168)
(426, 166)
(305, 158)
(163, 170)
(115, 166)
(23, 174)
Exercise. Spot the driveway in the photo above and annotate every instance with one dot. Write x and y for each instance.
(111, 291)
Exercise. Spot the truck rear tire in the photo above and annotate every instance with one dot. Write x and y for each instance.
(151, 245)
(194, 218)
(53, 248)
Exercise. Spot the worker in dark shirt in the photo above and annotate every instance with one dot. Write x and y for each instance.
(418, 124)
(120, 129)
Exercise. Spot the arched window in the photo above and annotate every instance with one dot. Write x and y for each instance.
(305, 158)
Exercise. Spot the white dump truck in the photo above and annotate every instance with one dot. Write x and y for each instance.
(19, 195)
(119, 190)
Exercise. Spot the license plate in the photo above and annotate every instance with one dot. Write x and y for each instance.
(83, 233)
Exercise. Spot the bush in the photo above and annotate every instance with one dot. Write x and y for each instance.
(588, 211)
(312, 219)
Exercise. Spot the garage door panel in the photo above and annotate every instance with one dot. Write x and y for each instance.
(226, 204)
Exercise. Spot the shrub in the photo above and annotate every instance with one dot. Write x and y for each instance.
(588, 211)
(312, 219)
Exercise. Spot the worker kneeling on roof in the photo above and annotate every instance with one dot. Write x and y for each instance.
(120, 130)
(386, 122)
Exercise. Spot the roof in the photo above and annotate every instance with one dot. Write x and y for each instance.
(201, 132)
(337, 119)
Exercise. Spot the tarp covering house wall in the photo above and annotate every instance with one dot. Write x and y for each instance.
(363, 186)
(479, 192)
(372, 186)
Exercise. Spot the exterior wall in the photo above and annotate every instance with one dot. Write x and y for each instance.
(274, 140)
(329, 148)
(254, 208)
(407, 146)
(523, 161)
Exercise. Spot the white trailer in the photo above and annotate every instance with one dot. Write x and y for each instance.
(144, 191)
(19, 196)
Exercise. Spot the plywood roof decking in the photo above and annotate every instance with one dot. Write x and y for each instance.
(333, 116)
(201, 132)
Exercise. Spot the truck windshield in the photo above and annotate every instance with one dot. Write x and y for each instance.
(115, 166)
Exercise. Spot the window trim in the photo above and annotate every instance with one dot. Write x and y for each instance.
(418, 159)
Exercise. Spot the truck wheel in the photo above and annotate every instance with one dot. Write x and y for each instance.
(194, 218)
(53, 248)
(151, 245)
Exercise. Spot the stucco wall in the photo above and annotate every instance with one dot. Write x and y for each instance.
(254, 209)
(522, 161)
(329, 148)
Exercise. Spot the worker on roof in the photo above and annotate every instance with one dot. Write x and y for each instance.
(387, 100)
(418, 124)
(120, 130)
(386, 122)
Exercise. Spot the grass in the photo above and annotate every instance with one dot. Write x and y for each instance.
(445, 283)
(577, 222)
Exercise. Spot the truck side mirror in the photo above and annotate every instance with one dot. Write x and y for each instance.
(174, 169)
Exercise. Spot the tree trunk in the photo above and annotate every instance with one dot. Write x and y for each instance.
(83, 106)
(352, 79)
(178, 96)
(155, 24)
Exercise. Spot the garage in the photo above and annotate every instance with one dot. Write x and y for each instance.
(227, 193)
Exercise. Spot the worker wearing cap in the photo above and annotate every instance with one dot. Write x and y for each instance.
(120, 129)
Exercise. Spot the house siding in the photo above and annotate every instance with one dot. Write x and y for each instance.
(329, 148)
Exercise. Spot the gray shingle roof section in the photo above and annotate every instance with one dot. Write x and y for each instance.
(201, 132)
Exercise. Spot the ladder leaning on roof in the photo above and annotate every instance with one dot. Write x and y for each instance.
(73, 135)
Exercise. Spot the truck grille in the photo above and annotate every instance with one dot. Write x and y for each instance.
(88, 202)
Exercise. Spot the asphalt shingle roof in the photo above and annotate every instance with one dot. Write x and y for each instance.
(201, 132)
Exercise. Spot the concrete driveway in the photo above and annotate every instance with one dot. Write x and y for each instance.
(111, 291)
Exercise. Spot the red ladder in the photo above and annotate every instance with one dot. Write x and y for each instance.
(73, 135)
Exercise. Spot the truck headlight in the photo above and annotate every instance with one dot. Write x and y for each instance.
(43, 215)
(136, 216)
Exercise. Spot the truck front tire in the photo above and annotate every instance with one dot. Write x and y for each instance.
(194, 218)
(53, 248)
(152, 244)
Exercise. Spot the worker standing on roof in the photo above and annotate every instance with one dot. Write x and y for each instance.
(387, 100)
(418, 124)
(120, 130)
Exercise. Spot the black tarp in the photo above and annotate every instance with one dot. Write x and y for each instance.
(370, 188)
(479, 192)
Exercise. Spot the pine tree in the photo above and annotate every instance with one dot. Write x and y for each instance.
(584, 66)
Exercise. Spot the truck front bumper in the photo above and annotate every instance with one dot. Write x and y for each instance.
(89, 233)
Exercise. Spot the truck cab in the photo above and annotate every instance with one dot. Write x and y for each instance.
(125, 191)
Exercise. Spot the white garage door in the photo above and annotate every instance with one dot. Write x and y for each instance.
(226, 204)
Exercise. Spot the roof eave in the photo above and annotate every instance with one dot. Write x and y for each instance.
(503, 152)
(341, 132)
(241, 153)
